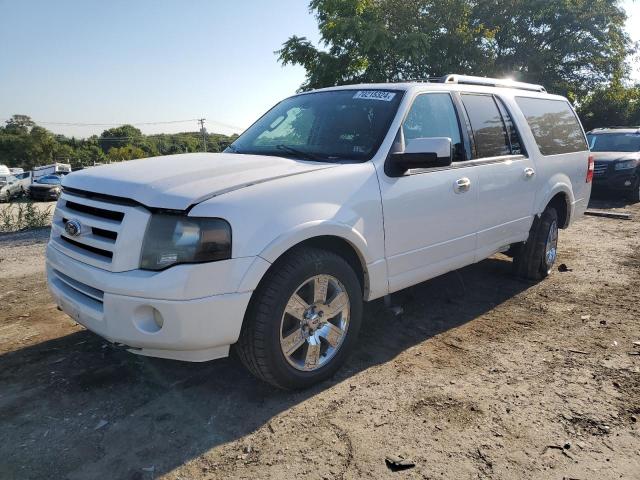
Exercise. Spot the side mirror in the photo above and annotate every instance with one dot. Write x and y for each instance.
(424, 153)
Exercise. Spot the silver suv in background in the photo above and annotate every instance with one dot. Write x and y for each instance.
(616, 151)
(9, 187)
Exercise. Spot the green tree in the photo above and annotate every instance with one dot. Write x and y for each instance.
(19, 124)
(40, 147)
(87, 155)
(568, 45)
(613, 105)
(119, 137)
(128, 152)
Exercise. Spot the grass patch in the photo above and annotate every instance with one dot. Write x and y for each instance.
(17, 217)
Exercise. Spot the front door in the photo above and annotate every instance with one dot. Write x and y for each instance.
(430, 215)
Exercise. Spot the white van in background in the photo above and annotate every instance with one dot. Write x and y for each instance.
(52, 169)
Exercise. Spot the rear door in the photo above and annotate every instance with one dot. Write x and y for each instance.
(563, 153)
(430, 221)
(507, 176)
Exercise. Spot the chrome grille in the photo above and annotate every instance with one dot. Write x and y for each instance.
(600, 169)
(111, 232)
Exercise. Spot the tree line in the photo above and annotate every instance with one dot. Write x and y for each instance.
(27, 145)
(575, 48)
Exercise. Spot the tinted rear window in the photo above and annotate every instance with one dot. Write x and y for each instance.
(554, 125)
(488, 128)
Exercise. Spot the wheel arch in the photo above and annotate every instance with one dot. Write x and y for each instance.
(562, 204)
(560, 197)
(339, 239)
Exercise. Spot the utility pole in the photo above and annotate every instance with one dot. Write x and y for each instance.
(204, 134)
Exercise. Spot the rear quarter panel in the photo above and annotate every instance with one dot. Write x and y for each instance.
(562, 173)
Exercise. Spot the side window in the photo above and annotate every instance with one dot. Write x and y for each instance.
(433, 115)
(514, 138)
(554, 125)
(488, 128)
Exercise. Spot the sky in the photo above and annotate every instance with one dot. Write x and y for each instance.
(146, 61)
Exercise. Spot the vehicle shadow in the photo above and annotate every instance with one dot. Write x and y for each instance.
(604, 200)
(74, 407)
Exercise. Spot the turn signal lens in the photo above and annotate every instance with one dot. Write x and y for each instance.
(590, 169)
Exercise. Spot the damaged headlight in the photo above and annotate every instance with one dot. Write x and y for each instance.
(174, 239)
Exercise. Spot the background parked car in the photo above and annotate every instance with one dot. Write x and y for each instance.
(46, 188)
(52, 169)
(24, 179)
(9, 188)
(616, 152)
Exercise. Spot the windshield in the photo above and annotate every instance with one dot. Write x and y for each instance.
(50, 180)
(323, 126)
(614, 142)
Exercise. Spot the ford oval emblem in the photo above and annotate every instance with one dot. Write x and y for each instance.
(73, 228)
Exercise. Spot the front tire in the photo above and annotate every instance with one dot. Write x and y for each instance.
(303, 319)
(536, 258)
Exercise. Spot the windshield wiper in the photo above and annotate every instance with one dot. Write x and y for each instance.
(301, 153)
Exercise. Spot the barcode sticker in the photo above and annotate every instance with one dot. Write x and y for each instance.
(374, 95)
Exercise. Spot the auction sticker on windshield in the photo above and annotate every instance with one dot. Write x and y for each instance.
(374, 95)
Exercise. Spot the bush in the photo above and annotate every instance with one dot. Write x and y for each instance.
(23, 216)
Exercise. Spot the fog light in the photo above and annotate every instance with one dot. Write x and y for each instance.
(147, 319)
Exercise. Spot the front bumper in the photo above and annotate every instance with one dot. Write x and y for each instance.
(38, 194)
(612, 179)
(190, 329)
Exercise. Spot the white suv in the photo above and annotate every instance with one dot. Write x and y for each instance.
(333, 197)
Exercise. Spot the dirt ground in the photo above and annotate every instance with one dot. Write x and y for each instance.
(483, 376)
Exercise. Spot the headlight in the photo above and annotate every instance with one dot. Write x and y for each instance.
(626, 165)
(173, 239)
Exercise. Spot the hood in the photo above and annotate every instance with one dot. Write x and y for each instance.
(612, 156)
(179, 181)
(44, 186)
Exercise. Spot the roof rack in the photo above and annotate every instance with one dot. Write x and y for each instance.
(487, 82)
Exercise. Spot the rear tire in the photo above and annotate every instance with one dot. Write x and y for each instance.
(290, 337)
(536, 257)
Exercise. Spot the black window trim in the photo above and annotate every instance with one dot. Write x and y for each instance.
(501, 103)
(499, 158)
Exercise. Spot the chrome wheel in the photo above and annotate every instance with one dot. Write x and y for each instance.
(551, 247)
(314, 323)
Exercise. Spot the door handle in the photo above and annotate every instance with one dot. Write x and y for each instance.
(529, 172)
(462, 185)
